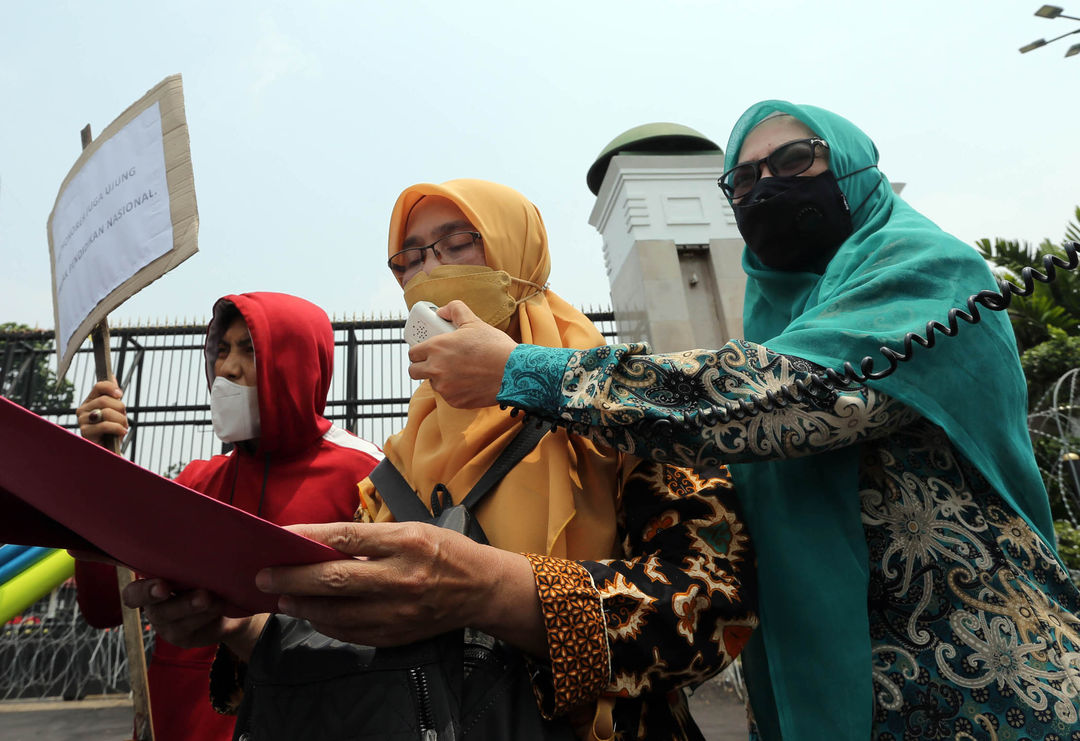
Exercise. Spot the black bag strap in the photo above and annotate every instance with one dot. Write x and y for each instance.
(398, 495)
(528, 437)
(406, 506)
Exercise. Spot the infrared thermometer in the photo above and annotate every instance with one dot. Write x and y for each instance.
(423, 323)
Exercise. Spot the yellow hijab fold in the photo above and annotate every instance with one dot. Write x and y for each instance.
(560, 499)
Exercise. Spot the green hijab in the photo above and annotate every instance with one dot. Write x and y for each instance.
(809, 666)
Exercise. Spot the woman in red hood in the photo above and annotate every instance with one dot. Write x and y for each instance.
(269, 360)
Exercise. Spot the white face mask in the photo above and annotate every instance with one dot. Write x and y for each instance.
(234, 410)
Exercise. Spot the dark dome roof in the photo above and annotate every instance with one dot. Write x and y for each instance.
(654, 138)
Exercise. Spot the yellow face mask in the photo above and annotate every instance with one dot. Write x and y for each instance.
(485, 291)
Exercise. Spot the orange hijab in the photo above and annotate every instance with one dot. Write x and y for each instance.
(560, 500)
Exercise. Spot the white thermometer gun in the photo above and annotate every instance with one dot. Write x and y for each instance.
(423, 323)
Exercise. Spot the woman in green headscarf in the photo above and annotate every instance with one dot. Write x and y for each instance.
(909, 585)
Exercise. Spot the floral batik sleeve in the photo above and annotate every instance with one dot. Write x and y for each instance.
(674, 610)
(670, 407)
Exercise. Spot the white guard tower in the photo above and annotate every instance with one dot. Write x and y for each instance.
(672, 250)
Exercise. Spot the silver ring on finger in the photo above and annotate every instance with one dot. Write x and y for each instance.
(95, 416)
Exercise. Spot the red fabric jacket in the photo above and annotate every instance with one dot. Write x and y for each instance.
(304, 470)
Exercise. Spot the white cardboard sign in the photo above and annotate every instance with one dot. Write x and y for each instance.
(111, 220)
(124, 216)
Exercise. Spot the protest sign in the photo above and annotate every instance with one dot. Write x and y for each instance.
(125, 215)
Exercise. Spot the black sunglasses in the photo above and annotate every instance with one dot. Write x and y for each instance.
(793, 158)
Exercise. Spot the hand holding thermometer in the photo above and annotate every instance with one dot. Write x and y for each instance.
(423, 323)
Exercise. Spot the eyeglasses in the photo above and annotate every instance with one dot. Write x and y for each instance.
(452, 249)
(793, 158)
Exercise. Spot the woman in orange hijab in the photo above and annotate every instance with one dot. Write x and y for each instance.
(617, 577)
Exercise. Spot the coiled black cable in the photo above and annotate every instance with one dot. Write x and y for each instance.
(831, 380)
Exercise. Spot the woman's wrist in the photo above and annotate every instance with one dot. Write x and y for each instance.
(532, 378)
(506, 604)
(241, 634)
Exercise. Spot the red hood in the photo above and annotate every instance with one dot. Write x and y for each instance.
(294, 361)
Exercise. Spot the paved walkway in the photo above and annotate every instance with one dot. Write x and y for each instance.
(720, 715)
(91, 719)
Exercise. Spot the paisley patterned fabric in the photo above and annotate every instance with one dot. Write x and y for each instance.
(973, 622)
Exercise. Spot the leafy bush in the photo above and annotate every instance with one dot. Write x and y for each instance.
(1068, 537)
(38, 389)
(1045, 363)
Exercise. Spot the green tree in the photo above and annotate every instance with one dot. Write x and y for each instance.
(1047, 329)
(1048, 361)
(1068, 543)
(1051, 305)
(174, 470)
(25, 375)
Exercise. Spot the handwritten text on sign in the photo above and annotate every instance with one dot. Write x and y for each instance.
(111, 220)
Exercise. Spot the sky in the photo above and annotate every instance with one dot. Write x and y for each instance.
(307, 119)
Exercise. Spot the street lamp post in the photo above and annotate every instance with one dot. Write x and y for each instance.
(1051, 12)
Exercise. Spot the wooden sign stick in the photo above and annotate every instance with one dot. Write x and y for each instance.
(133, 637)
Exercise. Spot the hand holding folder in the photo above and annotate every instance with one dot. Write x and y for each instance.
(61, 491)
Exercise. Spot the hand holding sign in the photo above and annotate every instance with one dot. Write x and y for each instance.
(125, 215)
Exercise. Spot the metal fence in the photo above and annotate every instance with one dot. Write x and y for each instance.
(49, 650)
(161, 370)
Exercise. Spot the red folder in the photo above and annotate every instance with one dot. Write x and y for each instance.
(61, 491)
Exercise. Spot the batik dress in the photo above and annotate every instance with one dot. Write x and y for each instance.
(672, 610)
(973, 629)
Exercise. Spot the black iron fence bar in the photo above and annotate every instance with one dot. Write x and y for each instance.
(131, 442)
(115, 332)
(351, 390)
(205, 421)
(370, 415)
(330, 406)
(26, 379)
(9, 356)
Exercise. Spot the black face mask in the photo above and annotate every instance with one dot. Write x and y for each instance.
(794, 223)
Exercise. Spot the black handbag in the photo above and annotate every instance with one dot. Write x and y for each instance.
(301, 684)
